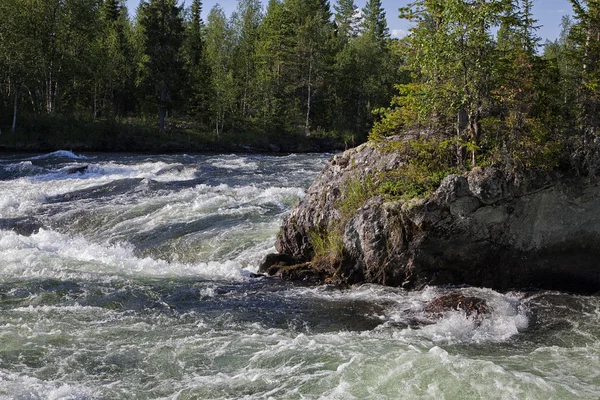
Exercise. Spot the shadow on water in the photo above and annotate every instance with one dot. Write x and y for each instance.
(112, 189)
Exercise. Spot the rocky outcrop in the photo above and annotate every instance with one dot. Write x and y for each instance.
(483, 228)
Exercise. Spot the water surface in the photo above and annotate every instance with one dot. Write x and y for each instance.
(135, 279)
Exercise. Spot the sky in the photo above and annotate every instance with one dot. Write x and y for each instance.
(548, 12)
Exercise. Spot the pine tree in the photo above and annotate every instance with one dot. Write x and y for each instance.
(374, 20)
(311, 56)
(113, 78)
(163, 27)
(194, 46)
(246, 23)
(346, 19)
(585, 33)
(273, 59)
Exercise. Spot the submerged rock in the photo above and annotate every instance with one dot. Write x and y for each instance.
(457, 302)
(77, 170)
(483, 228)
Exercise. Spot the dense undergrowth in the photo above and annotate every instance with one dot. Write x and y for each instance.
(55, 132)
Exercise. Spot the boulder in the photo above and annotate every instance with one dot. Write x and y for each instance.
(482, 228)
(454, 301)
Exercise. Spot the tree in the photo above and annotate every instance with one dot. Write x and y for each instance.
(245, 24)
(585, 34)
(273, 52)
(114, 73)
(374, 21)
(194, 47)
(347, 20)
(218, 58)
(163, 28)
(451, 54)
(310, 54)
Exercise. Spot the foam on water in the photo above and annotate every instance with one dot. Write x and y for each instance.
(60, 154)
(234, 162)
(52, 255)
(402, 314)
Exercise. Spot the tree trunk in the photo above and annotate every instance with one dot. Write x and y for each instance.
(95, 101)
(309, 100)
(475, 128)
(358, 108)
(161, 111)
(15, 108)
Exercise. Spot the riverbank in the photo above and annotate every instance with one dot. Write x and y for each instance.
(55, 133)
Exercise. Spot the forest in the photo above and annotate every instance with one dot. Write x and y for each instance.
(473, 73)
(296, 67)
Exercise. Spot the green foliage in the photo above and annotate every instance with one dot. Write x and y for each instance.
(163, 34)
(429, 161)
(327, 244)
(276, 72)
(498, 101)
(356, 193)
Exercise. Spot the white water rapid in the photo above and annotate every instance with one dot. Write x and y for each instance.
(133, 277)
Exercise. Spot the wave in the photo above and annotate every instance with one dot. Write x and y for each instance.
(403, 314)
(60, 154)
(52, 255)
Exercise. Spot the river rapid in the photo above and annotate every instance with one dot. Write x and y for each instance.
(133, 277)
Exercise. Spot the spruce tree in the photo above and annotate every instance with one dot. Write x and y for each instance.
(194, 46)
(346, 19)
(163, 27)
(585, 33)
(374, 20)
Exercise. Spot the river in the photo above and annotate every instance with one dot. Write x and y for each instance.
(133, 277)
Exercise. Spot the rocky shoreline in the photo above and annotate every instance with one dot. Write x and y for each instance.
(540, 229)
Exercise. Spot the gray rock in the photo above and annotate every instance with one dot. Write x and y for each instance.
(483, 229)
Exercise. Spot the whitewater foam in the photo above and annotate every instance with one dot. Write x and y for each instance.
(60, 154)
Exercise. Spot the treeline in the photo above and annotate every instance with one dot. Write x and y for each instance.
(489, 93)
(292, 66)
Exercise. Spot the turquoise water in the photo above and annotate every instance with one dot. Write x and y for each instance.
(135, 279)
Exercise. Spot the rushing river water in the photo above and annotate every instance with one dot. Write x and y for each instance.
(134, 278)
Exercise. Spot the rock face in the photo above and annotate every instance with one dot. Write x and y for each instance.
(482, 228)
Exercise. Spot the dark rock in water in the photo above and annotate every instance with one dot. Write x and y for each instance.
(458, 302)
(77, 170)
(287, 268)
(25, 226)
(483, 228)
(302, 273)
(274, 262)
(171, 169)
